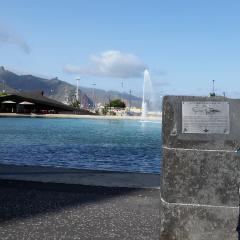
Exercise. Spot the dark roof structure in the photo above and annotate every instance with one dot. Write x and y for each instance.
(38, 99)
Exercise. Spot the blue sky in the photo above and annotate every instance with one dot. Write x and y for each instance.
(185, 44)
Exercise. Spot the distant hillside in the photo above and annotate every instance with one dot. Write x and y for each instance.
(60, 90)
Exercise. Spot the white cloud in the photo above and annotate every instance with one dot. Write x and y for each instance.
(111, 64)
(8, 37)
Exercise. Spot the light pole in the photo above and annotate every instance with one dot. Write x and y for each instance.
(93, 93)
(212, 94)
(122, 91)
(130, 102)
(77, 96)
(213, 86)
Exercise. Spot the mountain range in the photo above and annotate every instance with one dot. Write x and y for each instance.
(60, 90)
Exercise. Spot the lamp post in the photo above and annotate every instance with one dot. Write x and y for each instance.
(122, 91)
(212, 94)
(77, 96)
(130, 102)
(213, 86)
(93, 93)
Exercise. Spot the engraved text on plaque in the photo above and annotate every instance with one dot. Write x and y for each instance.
(205, 117)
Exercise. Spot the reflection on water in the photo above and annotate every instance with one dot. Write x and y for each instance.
(122, 145)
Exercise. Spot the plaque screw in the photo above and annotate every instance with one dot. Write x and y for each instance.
(237, 151)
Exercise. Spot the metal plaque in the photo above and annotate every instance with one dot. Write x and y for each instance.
(205, 117)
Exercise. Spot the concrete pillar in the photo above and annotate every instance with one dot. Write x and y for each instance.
(200, 168)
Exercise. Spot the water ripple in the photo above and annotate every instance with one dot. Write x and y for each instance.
(81, 143)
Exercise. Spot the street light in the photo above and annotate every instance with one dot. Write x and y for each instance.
(212, 94)
(213, 86)
(130, 102)
(122, 91)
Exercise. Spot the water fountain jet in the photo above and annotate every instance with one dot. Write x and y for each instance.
(146, 81)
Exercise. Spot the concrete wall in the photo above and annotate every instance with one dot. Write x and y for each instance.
(199, 176)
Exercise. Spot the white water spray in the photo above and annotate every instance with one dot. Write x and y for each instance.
(146, 81)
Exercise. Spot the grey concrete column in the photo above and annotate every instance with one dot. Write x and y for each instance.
(200, 168)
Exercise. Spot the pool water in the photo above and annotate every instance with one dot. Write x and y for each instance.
(119, 145)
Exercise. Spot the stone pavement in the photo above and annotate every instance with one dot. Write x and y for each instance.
(32, 211)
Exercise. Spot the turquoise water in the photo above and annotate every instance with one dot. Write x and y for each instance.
(121, 145)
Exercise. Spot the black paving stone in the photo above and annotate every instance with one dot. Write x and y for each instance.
(41, 211)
